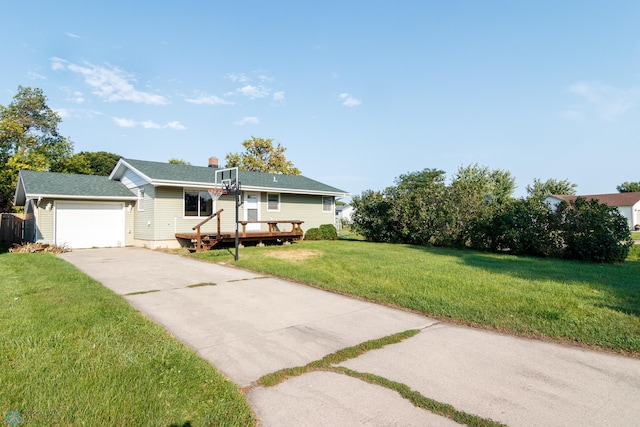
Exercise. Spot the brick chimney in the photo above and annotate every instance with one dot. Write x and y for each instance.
(213, 162)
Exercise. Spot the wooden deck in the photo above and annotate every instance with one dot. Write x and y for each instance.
(274, 234)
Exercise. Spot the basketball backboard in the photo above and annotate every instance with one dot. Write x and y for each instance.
(227, 178)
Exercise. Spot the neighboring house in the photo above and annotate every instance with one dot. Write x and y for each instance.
(628, 204)
(145, 203)
(343, 215)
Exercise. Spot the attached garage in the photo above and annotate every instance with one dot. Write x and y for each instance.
(76, 211)
(89, 224)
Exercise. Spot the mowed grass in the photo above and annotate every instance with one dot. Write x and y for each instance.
(74, 353)
(588, 304)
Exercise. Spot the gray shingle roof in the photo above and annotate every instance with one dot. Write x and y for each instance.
(157, 171)
(34, 184)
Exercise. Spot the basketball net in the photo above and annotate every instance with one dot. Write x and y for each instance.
(215, 193)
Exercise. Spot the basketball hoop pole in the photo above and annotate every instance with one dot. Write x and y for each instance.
(237, 217)
(236, 191)
(232, 184)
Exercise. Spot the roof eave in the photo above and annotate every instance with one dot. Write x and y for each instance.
(172, 183)
(20, 196)
(131, 198)
(295, 191)
(120, 169)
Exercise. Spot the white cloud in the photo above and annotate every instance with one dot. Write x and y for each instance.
(125, 123)
(348, 100)
(253, 92)
(64, 113)
(73, 36)
(150, 124)
(278, 96)
(208, 100)
(238, 78)
(247, 120)
(147, 124)
(110, 83)
(264, 78)
(58, 64)
(78, 98)
(35, 76)
(176, 125)
(604, 101)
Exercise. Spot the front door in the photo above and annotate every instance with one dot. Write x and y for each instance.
(252, 210)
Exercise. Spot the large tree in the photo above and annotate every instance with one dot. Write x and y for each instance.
(29, 139)
(87, 163)
(539, 190)
(628, 187)
(421, 209)
(262, 156)
(476, 192)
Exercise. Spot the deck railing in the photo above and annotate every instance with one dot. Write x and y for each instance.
(203, 222)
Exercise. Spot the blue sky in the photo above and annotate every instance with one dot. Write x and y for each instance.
(358, 92)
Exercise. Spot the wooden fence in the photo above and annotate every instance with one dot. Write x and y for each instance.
(11, 228)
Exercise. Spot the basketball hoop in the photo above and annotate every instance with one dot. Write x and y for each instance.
(215, 193)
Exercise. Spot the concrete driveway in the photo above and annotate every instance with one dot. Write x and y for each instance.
(248, 325)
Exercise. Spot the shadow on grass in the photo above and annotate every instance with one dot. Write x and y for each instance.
(4, 249)
(620, 280)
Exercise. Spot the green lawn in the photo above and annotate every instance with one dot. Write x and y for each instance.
(74, 353)
(590, 304)
(635, 235)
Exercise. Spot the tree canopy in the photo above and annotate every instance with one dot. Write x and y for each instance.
(539, 190)
(29, 139)
(477, 210)
(87, 163)
(176, 161)
(628, 187)
(422, 209)
(262, 156)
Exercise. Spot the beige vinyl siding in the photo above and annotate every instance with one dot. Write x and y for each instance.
(129, 220)
(44, 219)
(298, 206)
(170, 219)
(143, 222)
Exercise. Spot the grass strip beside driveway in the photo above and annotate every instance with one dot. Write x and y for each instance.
(74, 353)
(595, 305)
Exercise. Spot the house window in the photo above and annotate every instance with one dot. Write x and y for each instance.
(273, 202)
(197, 203)
(140, 199)
(327, 204)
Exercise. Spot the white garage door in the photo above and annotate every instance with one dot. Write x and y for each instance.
(89, 224)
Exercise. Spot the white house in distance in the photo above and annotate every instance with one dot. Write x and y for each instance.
(343, 215)
(628, 204)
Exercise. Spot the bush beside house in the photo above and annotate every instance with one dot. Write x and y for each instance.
(324, 232)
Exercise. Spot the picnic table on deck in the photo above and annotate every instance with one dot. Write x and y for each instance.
(273, 225)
